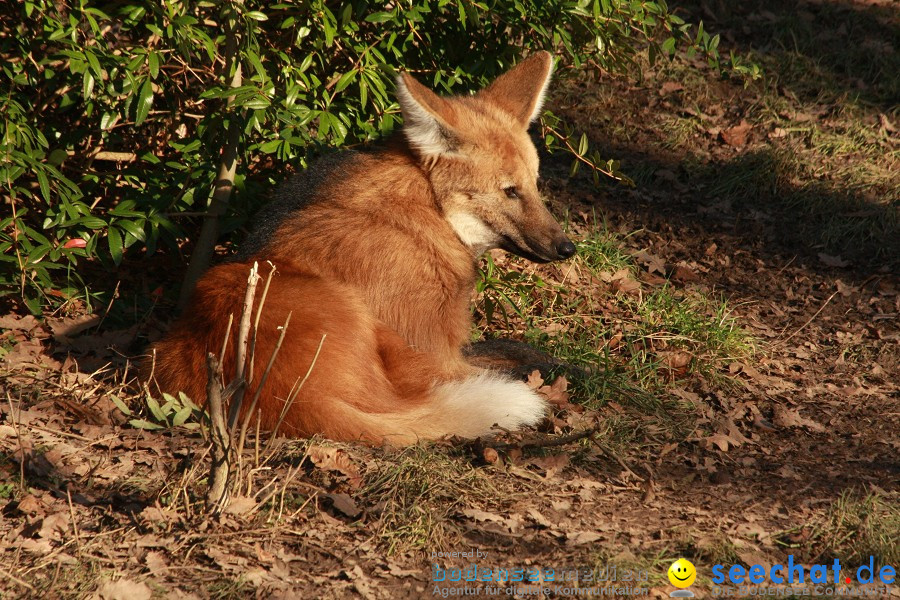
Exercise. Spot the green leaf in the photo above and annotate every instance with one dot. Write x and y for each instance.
(120, 405)
(379, 17)
(256, 15)
(133, 228)
(142, 424)
(94, 63)
(108, 120)
(345, 80)
(144, 101)
(186, 401)
(153, 64)
(45, 185)
(181, 416)
(155, 409)
(583, 144)
(115, 245)
(90, 222)
(87, 85)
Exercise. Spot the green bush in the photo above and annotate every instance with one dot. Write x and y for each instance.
(115, 114)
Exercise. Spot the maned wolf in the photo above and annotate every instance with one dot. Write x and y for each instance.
(377, 251)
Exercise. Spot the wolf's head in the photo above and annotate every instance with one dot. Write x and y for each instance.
(482, 163)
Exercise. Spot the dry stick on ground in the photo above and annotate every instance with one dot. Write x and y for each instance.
(217, 495)
(240, 352)
(224, 458)
(228, 436)
(546, 442)
(293, 395)
(259, 308)
(802, 327)
(248, 415)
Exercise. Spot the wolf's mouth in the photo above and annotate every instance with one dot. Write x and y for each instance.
(510, 245)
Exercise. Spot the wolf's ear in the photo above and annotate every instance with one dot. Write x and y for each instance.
(520, 91)
(427, 118)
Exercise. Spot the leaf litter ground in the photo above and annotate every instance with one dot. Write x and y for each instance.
(779, 198)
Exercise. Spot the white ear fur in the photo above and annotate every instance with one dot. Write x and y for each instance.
(539, 98)
(521, 90)
(424, 130)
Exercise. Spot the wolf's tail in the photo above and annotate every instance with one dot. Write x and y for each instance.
(468, 408)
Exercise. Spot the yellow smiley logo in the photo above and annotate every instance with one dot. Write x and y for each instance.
(682, 573)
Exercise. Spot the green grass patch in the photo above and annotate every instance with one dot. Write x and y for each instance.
(856, 527)
(700, 325)
(624, 347)
(604, 251)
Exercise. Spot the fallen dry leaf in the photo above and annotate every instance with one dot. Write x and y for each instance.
(240, 505)
(66, 328)
(676, 362)
(556, 393)
(16, 323)
(31, 505)
(344, 504)
(481, 515)
(334, 459)
(538, 518)
(552, 465)
(55, 527)
(124, 589)
(580, 538)
(684, 274)
(651, 261)
(719, 440)
(534, 380)
(29, 352)
(670, 87)
(737, 136)
(833, 261)
(786, 417)
(156, 562)
(622, 281)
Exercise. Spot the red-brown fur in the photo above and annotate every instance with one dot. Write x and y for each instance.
(375, 266)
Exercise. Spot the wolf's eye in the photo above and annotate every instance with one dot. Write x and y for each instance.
(511, 192)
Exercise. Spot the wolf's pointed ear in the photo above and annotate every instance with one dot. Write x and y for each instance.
(520, 91)
(427, 118)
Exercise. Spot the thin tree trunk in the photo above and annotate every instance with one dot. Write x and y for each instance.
(218, 204)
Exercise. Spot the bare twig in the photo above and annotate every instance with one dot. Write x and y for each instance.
(74, 521)
(108, 155)
(217, 495)
(255, 330)
(546, 442)
(15, 579)
(545, 129)
(810, 320)
(21, 449)
(226, 338)
(248, 415)
(621, 463)
(296, 390)
(240, 352)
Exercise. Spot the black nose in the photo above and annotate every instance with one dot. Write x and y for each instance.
(565, 249)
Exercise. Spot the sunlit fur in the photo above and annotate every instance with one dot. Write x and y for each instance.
(373, 251)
